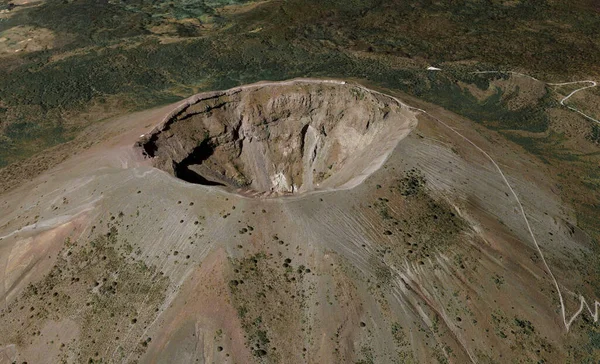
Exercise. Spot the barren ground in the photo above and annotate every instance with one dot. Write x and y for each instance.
(426, 259)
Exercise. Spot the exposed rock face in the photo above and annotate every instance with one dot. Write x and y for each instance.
(289, 137)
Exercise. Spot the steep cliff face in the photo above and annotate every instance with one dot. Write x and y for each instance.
(287, 138)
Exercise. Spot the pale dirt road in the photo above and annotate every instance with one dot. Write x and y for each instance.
(564, 99)
(594, 312)
(567, 320)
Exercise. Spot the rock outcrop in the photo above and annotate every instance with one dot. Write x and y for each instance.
(280, 138)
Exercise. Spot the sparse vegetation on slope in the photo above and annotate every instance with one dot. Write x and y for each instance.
(97, 286)
(418, 225)
(260, 282)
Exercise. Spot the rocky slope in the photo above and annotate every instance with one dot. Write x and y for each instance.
(107, 258)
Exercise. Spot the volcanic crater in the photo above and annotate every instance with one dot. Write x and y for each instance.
(280, 138)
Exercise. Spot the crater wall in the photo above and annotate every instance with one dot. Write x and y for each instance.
(280, 138)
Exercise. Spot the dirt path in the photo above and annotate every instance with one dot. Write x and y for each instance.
(568, 321)
(564, 99)
(562, 102)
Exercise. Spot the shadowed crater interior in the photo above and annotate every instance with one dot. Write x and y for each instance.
(279, 138)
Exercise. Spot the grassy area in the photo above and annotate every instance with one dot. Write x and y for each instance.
(493, 111)
(594, 135)
(417, 224)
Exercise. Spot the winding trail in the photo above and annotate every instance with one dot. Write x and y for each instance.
(568, 321)
(562, 102)
(564, 99)
(595, 311)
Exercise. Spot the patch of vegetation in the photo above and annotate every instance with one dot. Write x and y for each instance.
(525, 325)
(382, 272)
(522, 336)
(270, 299)
(549, 149)
(420, 224)
(411, 184)
(19, 136)
(594, 337)
(584, 346)
(117, 20)
(594, 135)
(99, 287)
(493, 111)
(398, 333)
(498, 280)
(368, 357)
